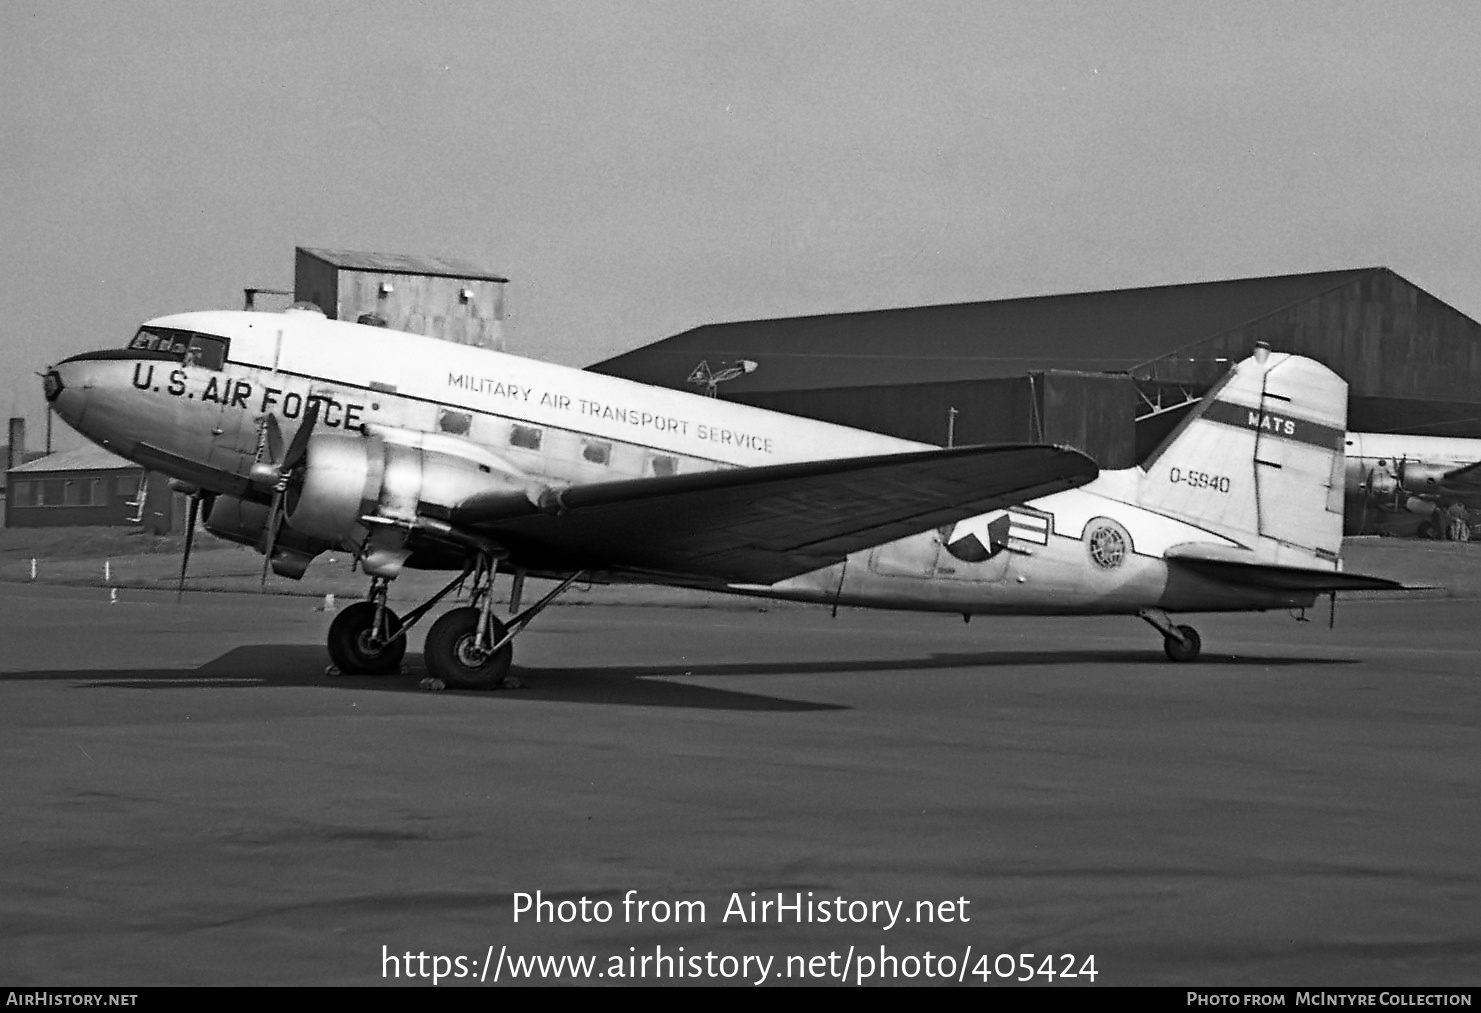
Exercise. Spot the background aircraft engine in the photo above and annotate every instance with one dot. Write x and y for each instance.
(1422, 478)
(390, 474)
(1383, 484)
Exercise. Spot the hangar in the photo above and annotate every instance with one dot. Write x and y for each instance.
(1107, 372)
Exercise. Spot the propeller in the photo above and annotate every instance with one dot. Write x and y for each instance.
(282, 475)
(190, 517)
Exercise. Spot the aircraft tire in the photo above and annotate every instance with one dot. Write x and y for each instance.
(1183, 652)
(349, 646)
(452, 655)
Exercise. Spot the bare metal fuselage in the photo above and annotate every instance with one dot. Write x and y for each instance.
(207, 427)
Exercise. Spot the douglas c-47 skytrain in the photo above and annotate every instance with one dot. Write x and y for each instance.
(301, 434)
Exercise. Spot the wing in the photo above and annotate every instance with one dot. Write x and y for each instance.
(761, 525)
(1466, 478)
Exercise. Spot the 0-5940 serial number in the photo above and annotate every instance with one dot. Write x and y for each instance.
(1199, 479)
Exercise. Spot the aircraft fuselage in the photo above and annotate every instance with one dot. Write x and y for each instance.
(204, 420)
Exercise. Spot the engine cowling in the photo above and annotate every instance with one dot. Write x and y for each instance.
(390, 474)
(245, 522)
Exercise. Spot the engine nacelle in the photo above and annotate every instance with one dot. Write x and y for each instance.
(1422, 479)
(245, 522)
(389, 474)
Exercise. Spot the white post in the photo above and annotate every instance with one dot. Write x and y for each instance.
(107, 571)
(33, 567)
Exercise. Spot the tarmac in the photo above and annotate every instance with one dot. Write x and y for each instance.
(188, 798)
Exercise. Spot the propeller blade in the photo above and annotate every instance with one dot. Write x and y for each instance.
(299, 448)
(274, 437)
(274, 517)
(298, 451)
(190, 516)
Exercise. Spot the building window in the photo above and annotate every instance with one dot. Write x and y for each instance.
(21, 493)
(527, 437)
(51, 492)
(73, 491)
(125, 486)
(596, 451)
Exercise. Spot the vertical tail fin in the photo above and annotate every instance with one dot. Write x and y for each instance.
(1260, 461)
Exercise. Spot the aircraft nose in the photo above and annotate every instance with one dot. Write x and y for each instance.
(65, 387)
(51, 385)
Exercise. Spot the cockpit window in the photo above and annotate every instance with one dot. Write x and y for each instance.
(193, 349)
(206, 351)
(156, 339)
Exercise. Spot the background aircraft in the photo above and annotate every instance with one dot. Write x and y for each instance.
(1424, 484)
(409, 451)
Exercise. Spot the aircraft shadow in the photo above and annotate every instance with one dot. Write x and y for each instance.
(284, 666)
(943, 660)
(281, 666)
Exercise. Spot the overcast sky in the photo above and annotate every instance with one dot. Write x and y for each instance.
(639, 168)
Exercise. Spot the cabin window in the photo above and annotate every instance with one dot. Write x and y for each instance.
(664, 465)
(527, 437)
(596, 451)
(457, 423)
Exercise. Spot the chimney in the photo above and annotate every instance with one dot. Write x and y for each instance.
(17, 453)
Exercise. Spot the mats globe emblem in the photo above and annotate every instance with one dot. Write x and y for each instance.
(1108, 542)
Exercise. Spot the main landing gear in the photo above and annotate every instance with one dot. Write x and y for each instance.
(467, 648)
(1179, 643)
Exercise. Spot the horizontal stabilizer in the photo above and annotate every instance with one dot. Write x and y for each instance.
(761, 525)
(1225, 564)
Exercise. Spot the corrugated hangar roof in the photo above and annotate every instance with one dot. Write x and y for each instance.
(85, 459)
(400, 263)
(1109, 331)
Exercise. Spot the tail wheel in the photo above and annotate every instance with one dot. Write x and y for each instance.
(353, 646)
(453, 654)
(1183, 650)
